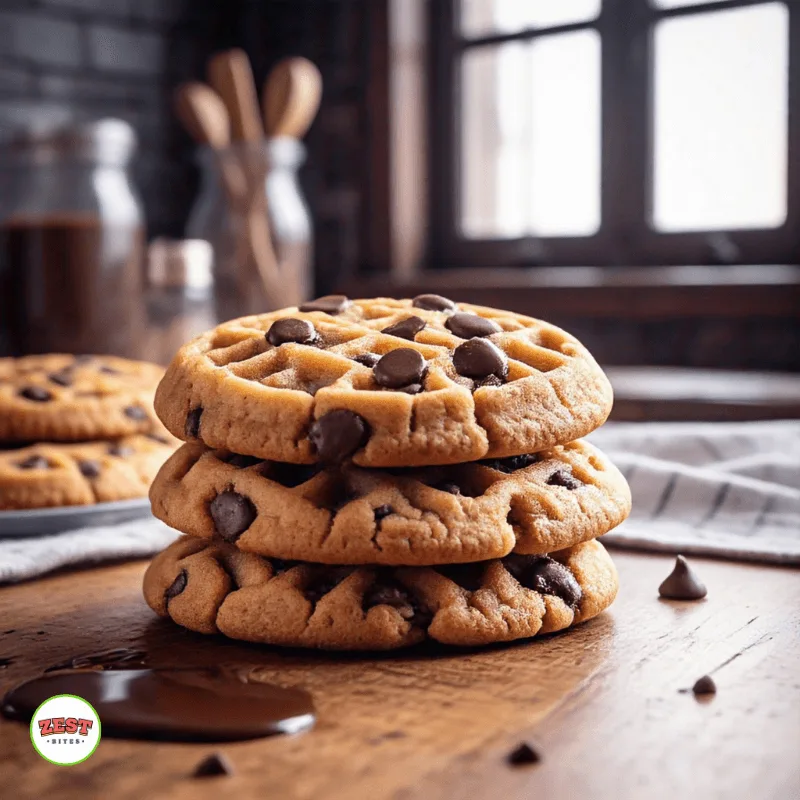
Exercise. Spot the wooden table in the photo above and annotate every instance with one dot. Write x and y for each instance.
(602, 703)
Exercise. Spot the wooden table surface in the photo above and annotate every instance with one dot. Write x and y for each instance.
(602, 702)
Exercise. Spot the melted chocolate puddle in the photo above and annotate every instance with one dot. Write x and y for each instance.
(197, 704)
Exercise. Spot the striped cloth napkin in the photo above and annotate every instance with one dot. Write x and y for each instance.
(725, 489)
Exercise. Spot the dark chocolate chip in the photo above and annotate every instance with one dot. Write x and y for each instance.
(108, 370)
(242, 462)
(338, 435)
(479, 358)
(291, 475)
(63, 378)
(192, 427)
(281, 565)
(449, 487)
(523, 755)
(214, 765)
(367, 359)
(400, 368)
(178, 585)
(491, 380)
(466, 326)
(704, 685)
(383, 511)
(36, 393)
(89, 469)
(324, 580)
(232, 513)
(682, 583)
(511, 464)
(387, 592)
(562, 477)
(433, 302)
(136, 413)
(407, 328)
(300, 331)
(120, 450)
(412, 388)
(546, 576)
(330, 304)
(467, 576)
(34, 462)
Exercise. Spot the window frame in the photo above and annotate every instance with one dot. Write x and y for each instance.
(624, 237)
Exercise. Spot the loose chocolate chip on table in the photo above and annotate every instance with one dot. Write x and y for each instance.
(511, 464)
(523, 755)
(682, 583)
(214, 765)
(192, 427)
(120, 450)
(330, 304)
(136, 413)
(433, 302)
(400, 368)
(178, 585)
(34, 462)
(478, 358)
(232, 513)
(61, 378)
(89, 469)
(383, 511)
(338, 435)
(36, 393)
(242, 462)
(407, 328)
(300, 331)
(367, 359)
(563, 478)
(466, 326)
(704, 685)
(546, 576)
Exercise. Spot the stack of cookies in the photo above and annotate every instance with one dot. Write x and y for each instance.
(369, 474)
(78, 430)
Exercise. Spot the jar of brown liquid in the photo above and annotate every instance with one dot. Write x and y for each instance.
(72, 243)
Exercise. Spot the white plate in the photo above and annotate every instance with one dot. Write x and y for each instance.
(47, 521)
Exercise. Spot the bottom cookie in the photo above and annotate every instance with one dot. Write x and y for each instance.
(215, 588)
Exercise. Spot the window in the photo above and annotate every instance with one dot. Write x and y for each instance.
(623, 132)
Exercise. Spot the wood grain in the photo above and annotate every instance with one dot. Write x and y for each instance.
(602, 702)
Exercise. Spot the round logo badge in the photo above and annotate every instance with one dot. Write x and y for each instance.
(65, 730)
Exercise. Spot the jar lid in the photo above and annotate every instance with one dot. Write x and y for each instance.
(179, 262)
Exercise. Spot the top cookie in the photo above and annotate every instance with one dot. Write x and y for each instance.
(388, 383)
(64, 398)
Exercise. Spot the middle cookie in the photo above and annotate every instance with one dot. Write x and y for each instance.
(529, 504)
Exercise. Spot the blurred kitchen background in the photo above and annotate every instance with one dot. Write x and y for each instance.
(628, 169)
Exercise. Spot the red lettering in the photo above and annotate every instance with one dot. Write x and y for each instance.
(84, 725)
(72, 725)
(58, 725)
(46, 727)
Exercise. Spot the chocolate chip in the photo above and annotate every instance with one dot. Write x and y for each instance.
(546, 576)
(367, 359)
(156, 438)
(387, 592)
(412, 388)
(300, 331)
(242, 462)
(108, 370)
(400, 368)
(324, 580)
(178, 585)
(338, 435)
(330, 304)
(704, 685)
(89, 469)
(562, 477)
(136, 413)
(192, 427)
(433, 302)
(682, 583)
(467, 576)
(479, 358)
(232, 513)
(291, 475)
(491, 380)
(61, 378)
(214, 765)
(36, 393)
(523, 755)
(120, 450)
(383, 511)
(466, 326)
(407, 328)
(449, 487)
(34, 462)
(512, 464)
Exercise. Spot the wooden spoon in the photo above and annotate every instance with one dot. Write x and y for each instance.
(230, 74)
(202, 112)
(291, 97)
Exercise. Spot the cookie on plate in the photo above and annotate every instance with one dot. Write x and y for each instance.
(215, 588)
(57, 474)
(419, 516)
(388, 383)
(64, 398)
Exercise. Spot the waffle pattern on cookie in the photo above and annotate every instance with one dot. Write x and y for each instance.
(68, 398)
(390, 383)
(210, 588)
(418, 516)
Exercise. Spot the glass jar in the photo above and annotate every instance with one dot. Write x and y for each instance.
(72, 242)
(273, 163)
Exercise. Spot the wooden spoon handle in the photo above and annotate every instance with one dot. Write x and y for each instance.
(291, 97)
(230, 74)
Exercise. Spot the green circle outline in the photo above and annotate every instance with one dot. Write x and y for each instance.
(99, 730)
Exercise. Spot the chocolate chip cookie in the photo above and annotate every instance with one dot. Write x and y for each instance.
(68, 398)
(54, 474)
(419, 516)
(216, 588)
(386, 383)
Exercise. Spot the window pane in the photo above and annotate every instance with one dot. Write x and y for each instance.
(680, 3)
(720, 126)
(482, 17)
(530, 154)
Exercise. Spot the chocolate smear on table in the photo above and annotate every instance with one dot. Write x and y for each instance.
(682, 583)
